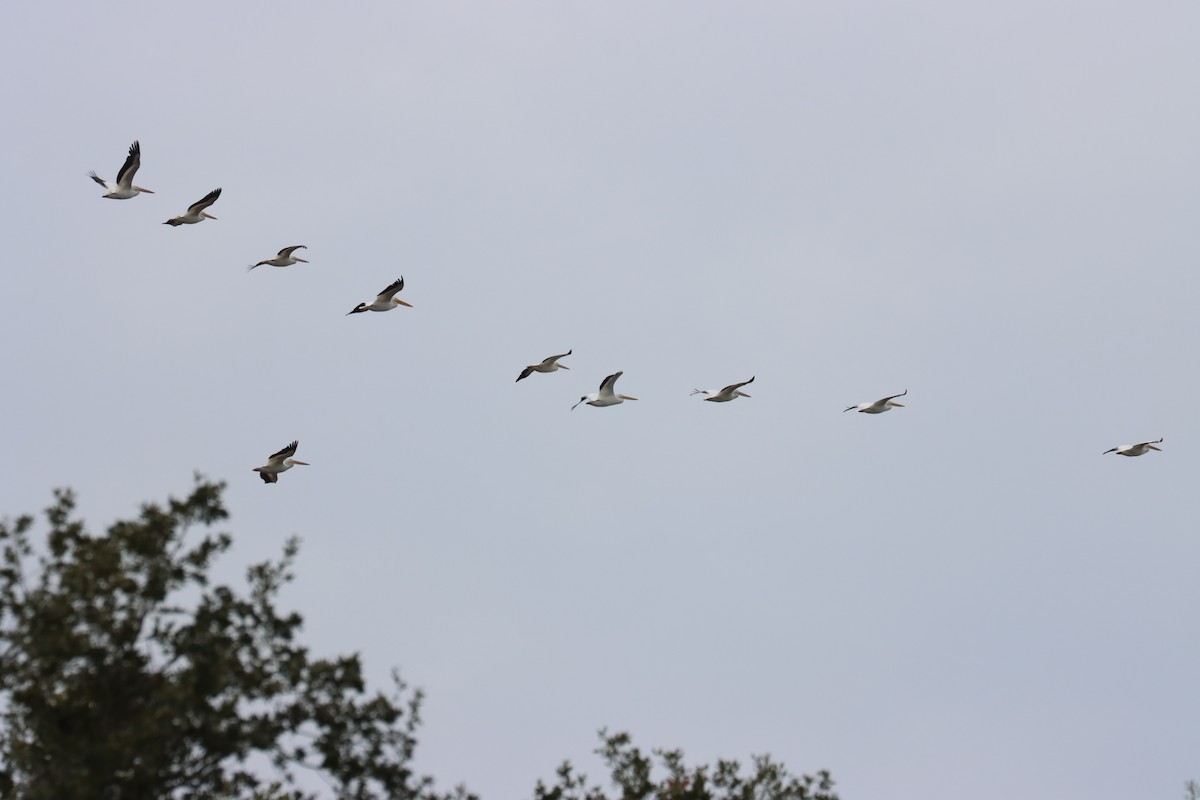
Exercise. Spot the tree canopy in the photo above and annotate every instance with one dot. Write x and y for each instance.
(125, 672)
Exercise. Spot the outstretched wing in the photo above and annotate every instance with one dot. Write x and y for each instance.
(285, 453)
(390, 291)
(287, 251)
(525, 373)
(551, 359)
(269, 477)
(606, 385)
(130, 167)
(204, 202)
(733, 387)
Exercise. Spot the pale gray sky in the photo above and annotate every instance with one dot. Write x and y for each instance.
(990, 205)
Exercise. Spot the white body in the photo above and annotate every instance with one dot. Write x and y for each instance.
(549, 364)
(384, 301)
(196, 212)
(1139, 449)
(606, 396)
(124, 189)
(285, 258)
(730, 392)
(879, 406)
(279, 462)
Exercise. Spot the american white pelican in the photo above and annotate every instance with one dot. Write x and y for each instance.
(285, 258)
(730, 392)
(1139, 449)
(196, 212)
(279, 462)
(124, 189)
(547, 365)
(384, 301)
(606, 396)
(879, 406)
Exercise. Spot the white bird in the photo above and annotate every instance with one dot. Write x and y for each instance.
(285, 258)
(124, 189)
(1139, 449)
(196, 212)
(279, 462)
(730, 392)
(547, 365)
(384, 301)
(606, 396)
(879, 406)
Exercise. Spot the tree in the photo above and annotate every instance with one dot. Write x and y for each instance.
(125, 674)
(633, 774)
(111, 687)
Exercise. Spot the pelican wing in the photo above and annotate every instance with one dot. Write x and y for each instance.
(130, 168)
(204, 202)
(390, 292)
(1147, 444)
(733, 387)
(893, 397)
(287, 251)
(551, 359)
(269, 477)
(98, 179)
(606, 386)
(525, 373)
(284, 454)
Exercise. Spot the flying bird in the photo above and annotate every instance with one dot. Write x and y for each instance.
(279, 462)
(124, 189)
(730, 392)
(547, 365)
(285, 258)
(879, 406)
(384, 301)
(1139, 449)
(196, 212)
(606, 396)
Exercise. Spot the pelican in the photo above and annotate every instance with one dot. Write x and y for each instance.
(548, 365)
(1135, 449)
(384, 301)
(124, 189)
(879, 406)
(606, 396)
(196, 212)
(730, 392)
(285, 258)
(279, 462)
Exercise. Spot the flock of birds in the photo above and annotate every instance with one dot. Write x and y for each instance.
(386, 300)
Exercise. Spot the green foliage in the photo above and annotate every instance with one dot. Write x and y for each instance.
(634, 776)
(111, 686)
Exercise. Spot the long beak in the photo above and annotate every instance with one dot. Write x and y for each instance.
(207, 215)
(626, 397)
(743, 394)
(563, 366)
(1152, 447)
(897, 405)
(140, 189)
(302, 260)
(301, 463)
(402, 303)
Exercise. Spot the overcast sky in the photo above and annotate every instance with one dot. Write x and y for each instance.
(991, 205)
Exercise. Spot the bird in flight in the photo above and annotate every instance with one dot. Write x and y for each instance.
(549, 364)
(196, 212)
(279, 462)
(124, 189)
